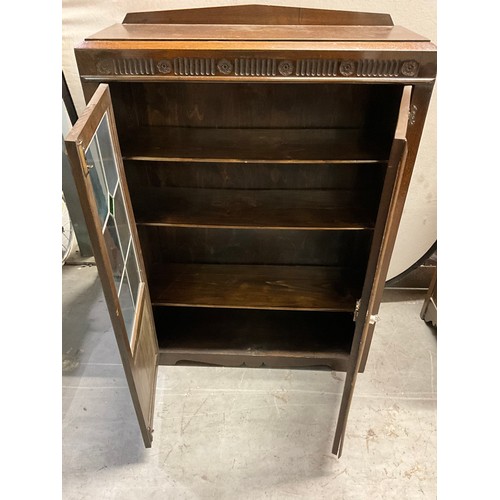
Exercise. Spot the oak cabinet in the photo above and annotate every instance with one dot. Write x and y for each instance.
(242, 171)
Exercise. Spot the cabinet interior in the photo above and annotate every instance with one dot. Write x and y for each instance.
(255, 205)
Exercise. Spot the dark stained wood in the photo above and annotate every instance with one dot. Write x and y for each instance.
(377, 265)
(192, 245)
(404, 153)
(268, 359)
(145, 362)
(268, 190)
(256, 106)
(258, 14)
(366, 347)
(254, 145)
(122, 56)
(139, 362)
(363, 178)
(258, 208)
(138, 321)
(84, 129)
(254, 287)
(378, 50)
(259, 116)
(254, 337)
(151, 32)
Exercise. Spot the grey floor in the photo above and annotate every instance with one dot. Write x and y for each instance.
(241, 433)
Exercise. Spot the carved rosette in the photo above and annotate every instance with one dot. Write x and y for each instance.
(347, 68)
(257, 67)
(164, 66)
(105, 66)
(225, 66)
(409, 68)
(285, 68)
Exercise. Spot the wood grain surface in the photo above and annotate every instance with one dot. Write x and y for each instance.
(254, 287)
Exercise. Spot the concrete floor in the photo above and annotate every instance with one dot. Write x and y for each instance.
(247, 433)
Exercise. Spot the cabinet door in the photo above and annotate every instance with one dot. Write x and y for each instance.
(94, 153)
(378, 262)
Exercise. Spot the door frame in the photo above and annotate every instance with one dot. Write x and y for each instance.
(378, 264)
(139, 355)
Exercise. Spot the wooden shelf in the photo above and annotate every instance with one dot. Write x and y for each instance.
(276, 145)
(253, 337)
(307, 288)
(255, 208)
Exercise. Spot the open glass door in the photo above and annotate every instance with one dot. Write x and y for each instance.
(378, 263)
(94, 153)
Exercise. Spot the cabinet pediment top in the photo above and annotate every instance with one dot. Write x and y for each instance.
(259, 14)
(257, 22)
(256, 41)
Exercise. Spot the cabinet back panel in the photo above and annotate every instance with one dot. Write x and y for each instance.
(238, 192)
(256, 246)
(254, 176)
(256, 105)
(253, 330)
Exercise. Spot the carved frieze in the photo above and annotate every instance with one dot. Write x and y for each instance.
(253, 66)
(126, 66)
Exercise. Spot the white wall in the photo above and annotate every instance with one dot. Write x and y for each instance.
(418, 227)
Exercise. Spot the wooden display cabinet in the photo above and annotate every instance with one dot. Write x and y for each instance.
(242, 171)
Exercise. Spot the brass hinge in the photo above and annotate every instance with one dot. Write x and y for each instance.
(373, 317)
(356, 310)
(89, 166)
(412, 117)
(83, 160)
